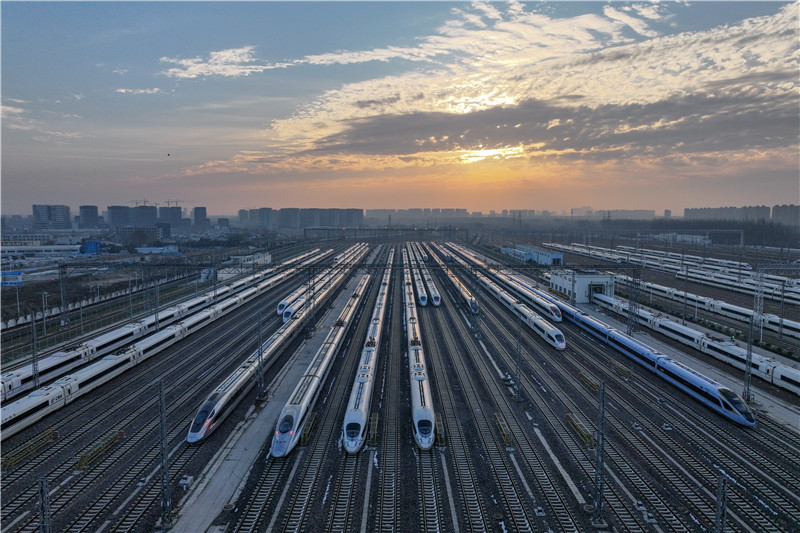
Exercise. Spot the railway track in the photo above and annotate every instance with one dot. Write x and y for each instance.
(386, 516)
(661, 454)
(58, 461)
(303, 487)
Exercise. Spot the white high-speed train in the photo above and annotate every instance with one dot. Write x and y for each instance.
(766, 368)
(224, 398)
(51, 367)
(354, 428)
(422, 413)
(771, 291)
(705, 390)
(516, 285)
(294, 414)
(551, 334)
(463, 291)
(422, 294)
(790, 328)
(351, 255)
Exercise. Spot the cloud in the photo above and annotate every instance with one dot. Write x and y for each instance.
(19, 119)
(155, 90)
(233, 62)
(503, 83)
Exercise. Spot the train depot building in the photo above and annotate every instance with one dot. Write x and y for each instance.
(582, 284)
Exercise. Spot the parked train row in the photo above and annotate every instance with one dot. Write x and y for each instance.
(422, 294)
(464, 293)
(223, 399)
(551, 334)
(23, 412)
(21, 380)
(778, 293)
(294, 414)
(765, 368)
(730, 275)
(422, 413)
(668, 260)
(705, 390)
(789, 328)
(354, 428)
(303, 294)
(512, 282)
(422, 257)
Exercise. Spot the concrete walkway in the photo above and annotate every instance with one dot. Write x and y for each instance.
(224, 477)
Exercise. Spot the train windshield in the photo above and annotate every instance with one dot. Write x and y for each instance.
(737, 403)
(425, 427)
(559, 338)
(555, 310)
(352, 430)
(202, 416)
(286, 424)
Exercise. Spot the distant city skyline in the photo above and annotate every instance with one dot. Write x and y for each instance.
(391, 105)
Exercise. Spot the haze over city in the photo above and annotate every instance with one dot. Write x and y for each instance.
(482, 106)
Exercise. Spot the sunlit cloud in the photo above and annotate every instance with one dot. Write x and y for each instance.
(233, 62)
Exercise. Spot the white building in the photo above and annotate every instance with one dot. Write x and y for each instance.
(540, 257)
(581, 283)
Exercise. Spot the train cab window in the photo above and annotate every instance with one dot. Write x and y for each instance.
(737, 404)
(199, 420)
(425, 427)
(352, 430)
(286, 424)
(559, 337)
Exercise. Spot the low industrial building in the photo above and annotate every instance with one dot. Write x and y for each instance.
(579, 285)
(540, 257)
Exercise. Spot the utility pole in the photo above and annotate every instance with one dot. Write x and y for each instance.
(633, 302)
(35, 354)
(597, 515)
(44, 507)
(758, 308)
(261, 387)
(519, 357)
(166, 501)
(722, 503)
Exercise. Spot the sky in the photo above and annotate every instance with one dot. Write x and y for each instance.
(375, 105)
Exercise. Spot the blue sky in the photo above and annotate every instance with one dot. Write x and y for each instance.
(400, 104)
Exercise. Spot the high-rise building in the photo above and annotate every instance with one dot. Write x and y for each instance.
(786, 214)
(199, 217)
(170, 215)
(51, 217)
(144, 216)
(119, 215)
(88, 216)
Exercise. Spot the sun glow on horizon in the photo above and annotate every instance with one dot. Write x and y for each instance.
(473, 156)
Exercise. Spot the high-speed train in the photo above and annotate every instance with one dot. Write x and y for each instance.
(766, 368)
(354, 428)
(463, 291)
(551, 334)
(705, 390)
(422, 294)
(21, 413)
(516, 285)
(433, 291)
(223, 399)
(422, 413)
(351, 255)
(785, 293)
(51, 367)
(293, 417)
(790, 328)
